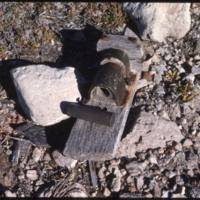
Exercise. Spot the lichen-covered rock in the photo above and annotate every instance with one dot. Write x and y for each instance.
(41, 89)
(157, 21)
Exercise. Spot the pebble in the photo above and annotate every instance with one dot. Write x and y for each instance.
(116, 183)
(101, 173)
(63, 161)
(32, 175)
(178, 147)
(106, 192)
(8, 193)
(167, 57)
(37, 154)
(197, 57)
(187, 143)
(140, 182)
(165, 194)
(191, 78)
(178, 195)
(153, 160)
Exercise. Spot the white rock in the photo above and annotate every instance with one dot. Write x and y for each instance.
(157, 21)
(149, 132)
(128, 32)
(37, 154)
(8, 193)
(106, 192)
(63, 161)
(140, 182)
(32, 175)
(153, 160)
(187, 143)
(41, 89)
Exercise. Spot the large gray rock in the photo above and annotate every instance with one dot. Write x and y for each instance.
(149, 132)
(156, 21)
(41, 89)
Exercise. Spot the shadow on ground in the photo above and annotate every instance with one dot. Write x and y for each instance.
(78, 51)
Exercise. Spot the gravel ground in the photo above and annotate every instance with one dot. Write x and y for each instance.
(31, 31)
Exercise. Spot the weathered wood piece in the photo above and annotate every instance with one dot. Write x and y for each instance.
(92, 141)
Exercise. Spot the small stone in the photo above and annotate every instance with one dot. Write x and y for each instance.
(178, 195)
(116, 183)
(149, 195)
(191, 78)
(101, 172)
(37, 154)
(39, 182)
(106, 192)
(8, 193)
(167, 57)
(63, 161)
(171, 174)
(165, 194)
(123, 172)
(197, 57)
(128, 32)
(140, 182)
(47, 157)
(32, 175)
(187, 143)
(135, 168)
(153, 160)
(178, 147)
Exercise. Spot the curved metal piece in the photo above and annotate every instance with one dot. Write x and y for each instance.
(110, 80)
(118, 54)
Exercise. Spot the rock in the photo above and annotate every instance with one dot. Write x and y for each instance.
(116, 182)
(41, 89)
(37, 154)
(187, 143)
(135, 168)
(32, 175)
(63, 161)
(106, 192)
(8, 193)
(153, 160)
(165, 194)
(140, 182)
(157, 21)
(128, 32)
(149, 132)
(178, 196)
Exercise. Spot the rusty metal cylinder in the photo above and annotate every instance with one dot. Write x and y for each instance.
(110, 79)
